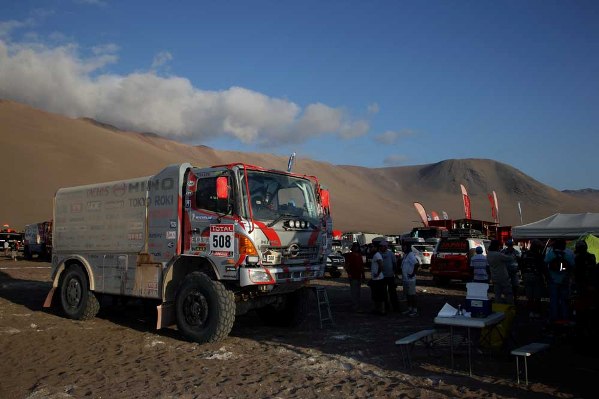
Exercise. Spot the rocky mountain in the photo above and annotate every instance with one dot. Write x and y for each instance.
(42, 152)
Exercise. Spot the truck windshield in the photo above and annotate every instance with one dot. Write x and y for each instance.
(276, 195)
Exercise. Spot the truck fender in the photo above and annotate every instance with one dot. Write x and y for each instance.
(75, 259)
(181, 267)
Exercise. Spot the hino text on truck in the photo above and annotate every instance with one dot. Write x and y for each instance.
(204, 244)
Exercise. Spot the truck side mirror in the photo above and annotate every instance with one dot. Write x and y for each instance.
(325, 198)
(222, 187)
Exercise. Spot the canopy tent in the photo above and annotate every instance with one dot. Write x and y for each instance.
(561, 225)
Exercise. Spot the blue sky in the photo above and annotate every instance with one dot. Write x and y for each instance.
(370, 83)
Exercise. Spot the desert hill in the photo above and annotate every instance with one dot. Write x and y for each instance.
(42, 152)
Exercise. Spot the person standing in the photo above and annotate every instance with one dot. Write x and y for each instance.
(389, 267)
(409, 267)
(533, 272)
(354, 266)
(512, 267)
(377, 283)
(560, 262)
(498, 264)
(584, 263)
(480, 267)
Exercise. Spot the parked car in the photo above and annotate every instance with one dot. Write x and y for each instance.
(335, 264)
(452, 258)
(424, 253)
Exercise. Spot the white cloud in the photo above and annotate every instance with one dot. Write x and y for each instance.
(58, 79)
(161, 59)
(395, 160)
(373, 108)
(392, 137)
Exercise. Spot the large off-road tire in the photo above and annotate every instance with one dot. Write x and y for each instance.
(76, 300)
(205, 309)
(291, 314)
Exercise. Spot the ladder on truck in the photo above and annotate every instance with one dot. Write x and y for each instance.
(324, 308)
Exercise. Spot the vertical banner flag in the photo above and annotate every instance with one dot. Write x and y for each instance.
(421, 213)
(493, 208)
(466, 199)
(445, 216)
(290, 162)
(520, 211)
(496, 205)
(435, 215)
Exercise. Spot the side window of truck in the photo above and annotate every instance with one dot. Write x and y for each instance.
(206, 196)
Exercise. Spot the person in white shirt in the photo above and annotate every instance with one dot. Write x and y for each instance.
(479, 266)
(409, 267)
(377, 283)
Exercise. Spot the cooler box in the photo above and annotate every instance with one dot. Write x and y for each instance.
(478, 307)
(477, 300)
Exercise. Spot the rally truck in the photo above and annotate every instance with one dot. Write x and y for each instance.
(203, 244)
(38, 240)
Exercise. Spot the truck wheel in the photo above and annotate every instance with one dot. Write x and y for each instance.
(291, 314)
(76, 300)
(27, 253)
(205, 309)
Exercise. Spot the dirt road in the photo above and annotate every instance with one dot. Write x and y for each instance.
(119, 354)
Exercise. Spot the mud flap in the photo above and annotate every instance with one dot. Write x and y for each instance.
(166, 315)
(48, 301)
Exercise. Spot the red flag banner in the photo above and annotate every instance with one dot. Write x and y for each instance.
(466, 199)
(493, 208)
(434, 215)
(421, 213)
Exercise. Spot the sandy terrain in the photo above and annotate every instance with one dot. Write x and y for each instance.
(55, 151)
(118, 354)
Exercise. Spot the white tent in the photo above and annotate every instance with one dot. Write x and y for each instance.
(560, 225)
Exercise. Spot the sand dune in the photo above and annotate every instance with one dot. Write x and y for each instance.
(43, 152)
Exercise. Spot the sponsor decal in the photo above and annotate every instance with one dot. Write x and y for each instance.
(222, 237)
(114, 204)
(224, 254)
(171, 235)
(171, 244)
(188, 193)
(76, 208)
(230, 268)
(77, 219)
(98, 192)
(135, 236)
(94, 206)
(119, 189)
(188, 204)
(137, 202)
(155, 235)
(191, 183)
(163, 200)
(202, 217)
(136, 226)
(173, 224)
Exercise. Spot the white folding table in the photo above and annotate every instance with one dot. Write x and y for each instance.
(468, 323)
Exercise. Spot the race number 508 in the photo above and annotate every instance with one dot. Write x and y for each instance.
(220, 241)
(221, 237)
